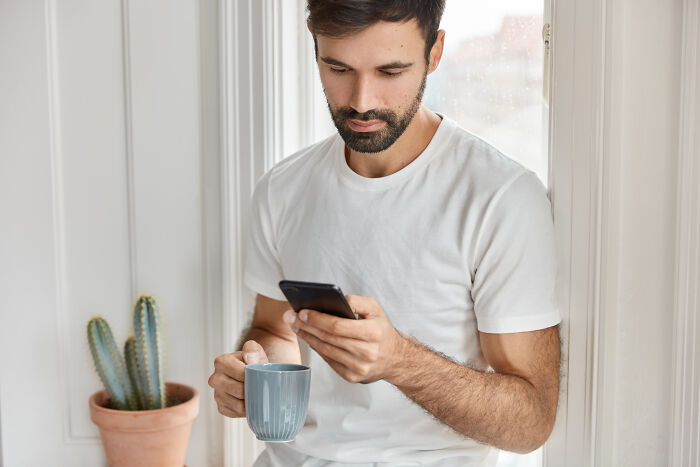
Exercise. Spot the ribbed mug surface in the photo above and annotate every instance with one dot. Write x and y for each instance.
(276, 399)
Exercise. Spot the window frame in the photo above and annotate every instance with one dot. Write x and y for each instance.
(260, 56)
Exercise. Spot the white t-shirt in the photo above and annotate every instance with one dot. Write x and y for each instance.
(459, 240)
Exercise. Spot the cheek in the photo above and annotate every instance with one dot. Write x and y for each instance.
(403, 92)
(338, 91)
(397, 92)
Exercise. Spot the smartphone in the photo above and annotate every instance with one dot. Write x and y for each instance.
(326, 298)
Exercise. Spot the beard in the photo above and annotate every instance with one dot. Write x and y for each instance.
(379, 140)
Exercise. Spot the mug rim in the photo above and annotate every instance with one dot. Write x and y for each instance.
(261, 367)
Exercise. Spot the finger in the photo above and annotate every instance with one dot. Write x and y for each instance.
(224, 384)
(234, 408)
(227, 397)
(253, 353)
(354, 346)
(338, 326)
(366, 307)
(231, 365)
(329, 350)
(346, 373)
(233, 404)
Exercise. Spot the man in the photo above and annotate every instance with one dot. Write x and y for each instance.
(445, 245)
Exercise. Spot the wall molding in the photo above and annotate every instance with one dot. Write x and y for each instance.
(684, 427)
(129, 142)
(58, 210)
(584, 196)
(230, 201)
(272, 76)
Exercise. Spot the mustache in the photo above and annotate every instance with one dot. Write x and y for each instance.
(350, 113)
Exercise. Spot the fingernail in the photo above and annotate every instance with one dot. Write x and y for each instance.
(303, 315)
(251, 357)
(289, 316)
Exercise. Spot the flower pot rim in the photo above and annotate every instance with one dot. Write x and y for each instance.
(194, 400)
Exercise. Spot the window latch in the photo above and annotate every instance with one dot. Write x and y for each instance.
(546, 38)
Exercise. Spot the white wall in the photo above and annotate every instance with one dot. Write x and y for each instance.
(103, 185)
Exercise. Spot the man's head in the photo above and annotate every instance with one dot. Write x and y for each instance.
(373, 58)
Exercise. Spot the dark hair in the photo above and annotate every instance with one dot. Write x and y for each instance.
(340, 18)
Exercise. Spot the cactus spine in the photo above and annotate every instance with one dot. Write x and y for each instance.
(138, 385)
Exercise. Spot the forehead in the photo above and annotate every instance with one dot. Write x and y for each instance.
(382, 42)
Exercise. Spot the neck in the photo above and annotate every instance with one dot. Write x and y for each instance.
(410, 145)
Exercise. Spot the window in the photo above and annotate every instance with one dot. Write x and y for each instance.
(577, 107)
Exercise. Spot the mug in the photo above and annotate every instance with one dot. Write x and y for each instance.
(276, 399)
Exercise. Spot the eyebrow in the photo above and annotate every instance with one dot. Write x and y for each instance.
(392, 65)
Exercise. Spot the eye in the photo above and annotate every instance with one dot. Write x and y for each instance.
(392, 74)
(338, 70)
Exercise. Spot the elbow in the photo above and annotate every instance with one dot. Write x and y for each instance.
(535, 440)
(533, 437)
(528, 448)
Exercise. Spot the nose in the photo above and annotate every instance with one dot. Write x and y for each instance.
(363, 97)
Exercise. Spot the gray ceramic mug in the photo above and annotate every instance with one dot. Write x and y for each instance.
(276, 399)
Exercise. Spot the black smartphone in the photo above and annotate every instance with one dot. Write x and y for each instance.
(326, 298)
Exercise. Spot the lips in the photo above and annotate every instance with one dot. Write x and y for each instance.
(364, 126)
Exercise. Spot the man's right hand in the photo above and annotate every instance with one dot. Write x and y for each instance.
(229, 376)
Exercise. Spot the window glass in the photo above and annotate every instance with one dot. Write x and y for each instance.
(490, 76)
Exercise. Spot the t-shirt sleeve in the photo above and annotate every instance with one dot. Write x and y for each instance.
(514, 288)
(262, 268)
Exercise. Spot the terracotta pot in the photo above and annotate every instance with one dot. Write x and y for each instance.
(147, 438)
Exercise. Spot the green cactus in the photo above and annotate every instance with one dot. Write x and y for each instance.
(149, 353)
(138, 385)
(110, 365)
(132, 366)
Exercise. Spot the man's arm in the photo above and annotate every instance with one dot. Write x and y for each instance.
(513, 409)
(269, 330)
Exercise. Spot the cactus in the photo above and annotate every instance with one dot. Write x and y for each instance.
(138, 385)
(132, 366)
(109, 364)
(149, 354)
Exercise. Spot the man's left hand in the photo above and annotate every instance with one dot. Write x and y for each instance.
(360, 351)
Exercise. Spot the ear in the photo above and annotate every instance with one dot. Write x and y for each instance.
(308, 26)
(436, 51)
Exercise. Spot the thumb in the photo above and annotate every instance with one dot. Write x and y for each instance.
(364, 307)
(253, 353)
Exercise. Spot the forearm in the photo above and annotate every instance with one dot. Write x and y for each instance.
(501, 410)
(278, 348)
